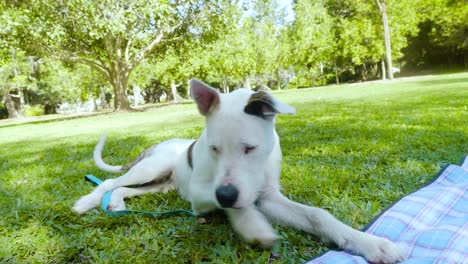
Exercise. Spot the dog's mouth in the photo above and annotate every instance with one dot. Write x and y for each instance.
(234, 206)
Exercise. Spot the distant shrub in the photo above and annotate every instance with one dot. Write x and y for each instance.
(304, 80)
(3, 112)
(35, 110)
(300, 81)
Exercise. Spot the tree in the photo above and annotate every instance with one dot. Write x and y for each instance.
(388, 47)
(14, 77)
(232, 57)
(265, 23)
(170, 71)
(313, 42)
(112, 37)
(442, 40)
(12, 69)
(358, 30)
(203, 56)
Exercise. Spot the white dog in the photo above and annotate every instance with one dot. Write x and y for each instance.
(235, 166)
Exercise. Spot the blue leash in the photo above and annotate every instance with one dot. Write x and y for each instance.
(107, 197)
(106, 200)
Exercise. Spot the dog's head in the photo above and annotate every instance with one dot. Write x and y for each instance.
(240, 135)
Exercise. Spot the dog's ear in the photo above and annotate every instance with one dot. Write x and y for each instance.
(264, 105)
(205, 96)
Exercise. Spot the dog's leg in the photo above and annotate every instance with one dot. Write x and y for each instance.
(252, 226)
(322, 224)
(202, 201)
(143, 172)
(118, 195)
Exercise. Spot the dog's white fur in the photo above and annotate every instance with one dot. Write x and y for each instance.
(238, 148)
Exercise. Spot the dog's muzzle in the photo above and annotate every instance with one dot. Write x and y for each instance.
(227, 195)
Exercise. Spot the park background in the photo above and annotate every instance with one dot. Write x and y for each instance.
(81, 56)
(353, 149)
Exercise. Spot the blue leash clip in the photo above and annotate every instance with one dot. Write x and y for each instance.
(107, 197)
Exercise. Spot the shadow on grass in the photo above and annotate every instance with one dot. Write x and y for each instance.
(44, 182)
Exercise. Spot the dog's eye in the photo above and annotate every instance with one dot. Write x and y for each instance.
(249, 149)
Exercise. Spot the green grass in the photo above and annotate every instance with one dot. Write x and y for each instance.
(352, 149)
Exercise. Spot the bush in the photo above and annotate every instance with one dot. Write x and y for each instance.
(300, 81)
(3, 112)
(35, 110)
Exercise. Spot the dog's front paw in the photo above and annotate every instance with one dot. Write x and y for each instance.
(381, 250)
(259, 234)
(86, 203)
(116, 203)
(265, 241)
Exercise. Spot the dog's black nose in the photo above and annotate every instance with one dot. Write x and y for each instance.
(227, 195)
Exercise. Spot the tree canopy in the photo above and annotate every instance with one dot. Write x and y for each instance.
(229, 43)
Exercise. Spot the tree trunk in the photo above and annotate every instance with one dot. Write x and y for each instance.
(383, 71)
(120, 99)
(102, 97)
(247, 83)
(279, 80)
(10, 104)
(18, 109)
(337, 76)
(137, 97)
(50, 108)
(388, 46)
(188, 89)
(22, 101)
(96, 106)
(225, 86)
(175, 94)
(119, 81)
(321, 73)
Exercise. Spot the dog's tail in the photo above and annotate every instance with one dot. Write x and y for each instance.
(97, 155)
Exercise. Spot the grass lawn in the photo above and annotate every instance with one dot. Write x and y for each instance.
(352, 149)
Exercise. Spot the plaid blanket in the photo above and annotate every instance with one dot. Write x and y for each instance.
(431, 223)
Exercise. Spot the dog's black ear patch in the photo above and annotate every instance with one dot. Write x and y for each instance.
(264, 105)
(261, 104)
